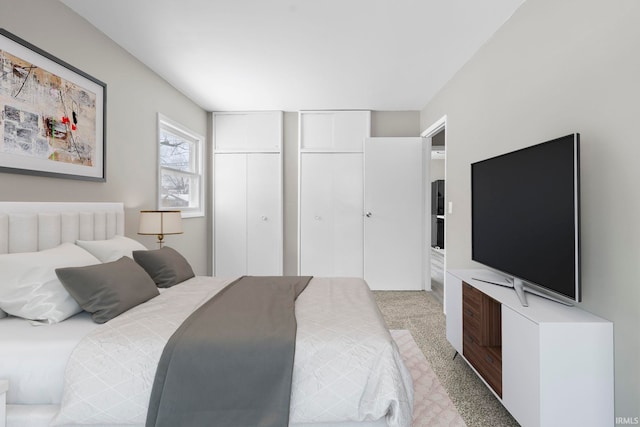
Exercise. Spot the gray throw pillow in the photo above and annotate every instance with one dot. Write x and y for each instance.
(165, 266)
(109, 289)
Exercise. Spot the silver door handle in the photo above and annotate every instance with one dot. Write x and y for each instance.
(368, 214)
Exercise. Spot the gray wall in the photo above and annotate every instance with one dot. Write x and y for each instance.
(395, 123)
(134, 97)
(383, 123)
(552, 69)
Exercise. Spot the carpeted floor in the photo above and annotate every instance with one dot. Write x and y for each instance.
(421, 314)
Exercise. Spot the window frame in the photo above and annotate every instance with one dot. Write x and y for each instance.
(168, 125)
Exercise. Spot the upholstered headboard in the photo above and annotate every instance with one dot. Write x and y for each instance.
(35, 226)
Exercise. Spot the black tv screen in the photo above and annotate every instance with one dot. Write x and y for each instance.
(525, 215)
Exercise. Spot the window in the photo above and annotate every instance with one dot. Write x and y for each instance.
(180, 158)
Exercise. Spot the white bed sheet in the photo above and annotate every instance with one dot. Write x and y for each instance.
(36, 365)
(33, 358)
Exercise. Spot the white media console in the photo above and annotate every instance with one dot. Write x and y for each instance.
(549, 364)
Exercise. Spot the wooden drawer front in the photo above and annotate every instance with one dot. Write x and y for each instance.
(470, 322)
(492, 360)
(481, 330)
(486, 360)
(471, 310)
(471, 295)
(471, 306)
(471, 350)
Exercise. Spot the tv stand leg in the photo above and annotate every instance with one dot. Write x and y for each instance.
(521, 288)
(454, 356)
(518, 286)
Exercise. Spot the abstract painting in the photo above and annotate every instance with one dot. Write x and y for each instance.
(52, 115)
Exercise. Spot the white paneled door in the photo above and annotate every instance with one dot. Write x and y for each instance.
(394, 226)
(331, 214)
(230, 214)
(248, 219)
(264, 220)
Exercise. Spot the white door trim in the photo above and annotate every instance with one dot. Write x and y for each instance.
(436, 127)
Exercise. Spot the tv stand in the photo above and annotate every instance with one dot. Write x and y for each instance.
(549, 364)
(520, 287)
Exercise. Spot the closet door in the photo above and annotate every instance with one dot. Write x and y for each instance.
(230, 213)
(247, 193)
(264, 223)
(331, 221)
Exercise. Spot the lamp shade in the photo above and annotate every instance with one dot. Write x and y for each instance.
(160, 222)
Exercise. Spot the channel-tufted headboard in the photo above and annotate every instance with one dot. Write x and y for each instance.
(35, 226)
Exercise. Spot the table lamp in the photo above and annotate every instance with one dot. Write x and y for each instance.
(160, 223)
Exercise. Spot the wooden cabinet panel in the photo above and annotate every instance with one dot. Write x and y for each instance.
(481, 325)
(491, 325)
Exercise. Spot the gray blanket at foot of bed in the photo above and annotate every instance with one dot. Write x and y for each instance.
(231, 361)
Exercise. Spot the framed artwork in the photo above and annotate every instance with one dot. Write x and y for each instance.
(52, 115)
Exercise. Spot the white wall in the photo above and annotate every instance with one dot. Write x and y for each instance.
(134, 97)
(552, 69)
(437, 169)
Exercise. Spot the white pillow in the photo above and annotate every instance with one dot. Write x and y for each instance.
(29, 287)
(112, 249)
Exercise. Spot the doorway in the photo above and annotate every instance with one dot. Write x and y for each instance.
(436, 215)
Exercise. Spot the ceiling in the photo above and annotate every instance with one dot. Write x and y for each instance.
(295, 55)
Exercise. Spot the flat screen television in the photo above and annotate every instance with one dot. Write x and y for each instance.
(526, 217)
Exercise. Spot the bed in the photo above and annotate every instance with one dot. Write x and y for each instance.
(347, 370)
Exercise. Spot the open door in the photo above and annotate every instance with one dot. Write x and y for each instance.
(394, 225)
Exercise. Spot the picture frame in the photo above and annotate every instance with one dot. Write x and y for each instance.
(52, 115)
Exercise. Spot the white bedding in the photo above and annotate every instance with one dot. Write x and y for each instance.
(346, 367)
(329, 312)
(33, 358)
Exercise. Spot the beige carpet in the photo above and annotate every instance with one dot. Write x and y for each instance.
(421, 314)
(431, 405)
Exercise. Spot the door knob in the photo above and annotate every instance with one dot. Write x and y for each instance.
(368, 214)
